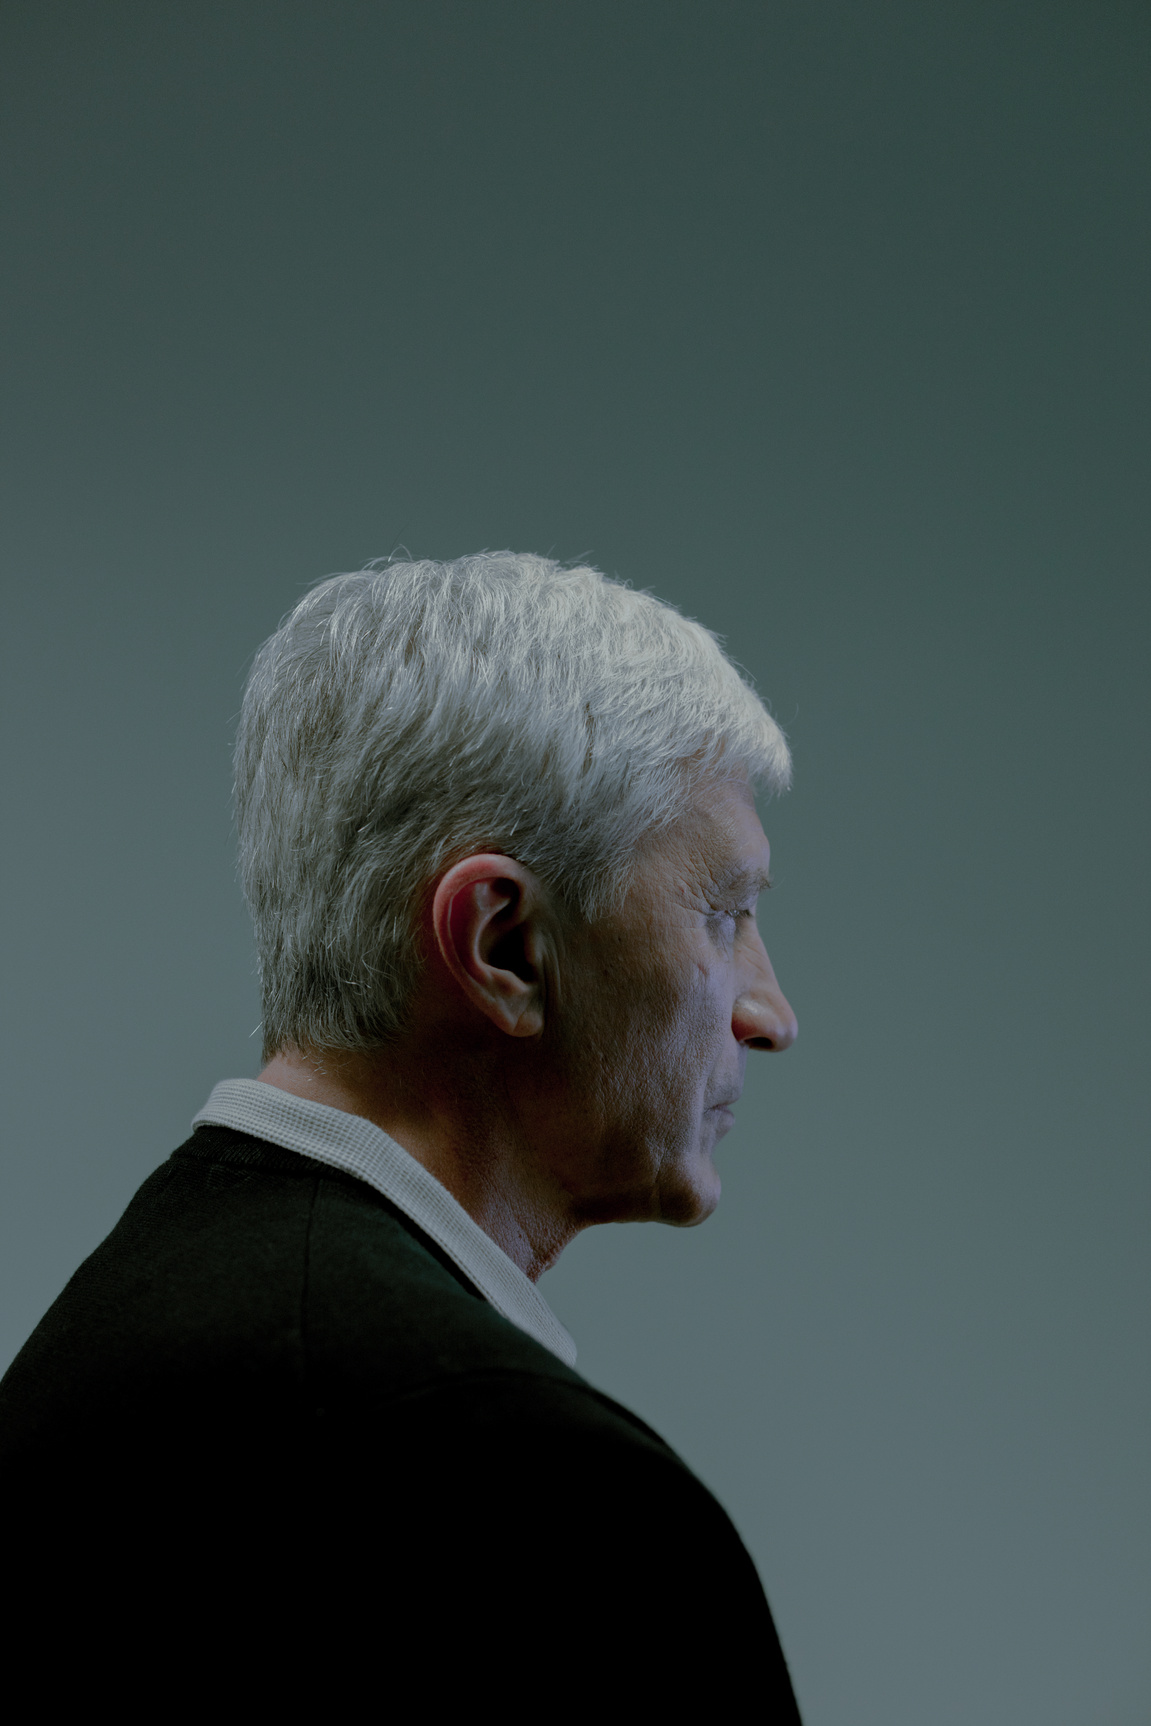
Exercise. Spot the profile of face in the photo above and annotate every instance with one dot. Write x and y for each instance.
(658, 1006)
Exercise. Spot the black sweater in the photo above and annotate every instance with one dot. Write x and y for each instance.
(273, 1429)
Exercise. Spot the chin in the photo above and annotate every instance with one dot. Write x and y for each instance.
(691, 1202)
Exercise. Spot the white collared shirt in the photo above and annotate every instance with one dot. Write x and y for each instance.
(350, 1143)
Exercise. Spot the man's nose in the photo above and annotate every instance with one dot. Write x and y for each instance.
(762, 1017)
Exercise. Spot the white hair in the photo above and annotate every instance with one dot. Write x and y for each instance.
(411, 714)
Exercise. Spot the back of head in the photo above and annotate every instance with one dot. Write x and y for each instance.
(408, 715)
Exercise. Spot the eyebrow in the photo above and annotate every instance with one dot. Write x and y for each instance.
(744, 880)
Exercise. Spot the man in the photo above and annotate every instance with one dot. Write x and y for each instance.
(306, 1404)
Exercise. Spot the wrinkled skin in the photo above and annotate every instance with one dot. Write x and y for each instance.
(559, 1073)
(667, 998)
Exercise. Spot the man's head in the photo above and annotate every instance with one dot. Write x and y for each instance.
(408, 717)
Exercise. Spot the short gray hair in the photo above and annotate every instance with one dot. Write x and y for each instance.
(411, 714)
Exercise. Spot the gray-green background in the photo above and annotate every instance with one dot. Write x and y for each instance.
(828, 322)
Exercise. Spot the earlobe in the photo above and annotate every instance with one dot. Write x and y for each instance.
(486, 914)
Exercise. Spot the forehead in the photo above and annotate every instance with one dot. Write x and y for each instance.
(716, 841)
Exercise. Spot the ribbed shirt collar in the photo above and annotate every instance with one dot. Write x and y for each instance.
(360, 1148)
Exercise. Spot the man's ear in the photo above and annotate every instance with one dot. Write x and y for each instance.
(490, 918)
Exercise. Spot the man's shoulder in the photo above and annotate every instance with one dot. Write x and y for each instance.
(257, 1317)
(257, 1283)
(266, 1371)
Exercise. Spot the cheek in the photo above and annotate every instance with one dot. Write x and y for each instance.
(654, 1032)
(697, 1015)
(673, 1052)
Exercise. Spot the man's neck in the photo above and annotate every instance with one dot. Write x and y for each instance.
(463, 1147)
